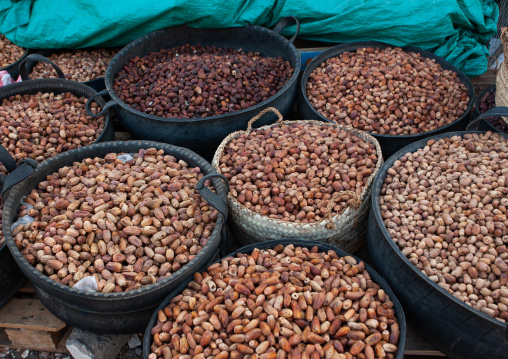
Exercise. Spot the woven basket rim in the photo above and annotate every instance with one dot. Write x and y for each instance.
(335, 217)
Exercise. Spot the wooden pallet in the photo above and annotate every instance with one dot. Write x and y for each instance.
(483, 81)
(417, 346)
(26, 324)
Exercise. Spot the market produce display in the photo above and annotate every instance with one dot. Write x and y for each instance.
(387, 91)
(291, 171)
(127, 220)
(277, 303)
(9, 53)
(42, 125)
(445, 206)
(106, 232)
(196, 81)
(77, 65)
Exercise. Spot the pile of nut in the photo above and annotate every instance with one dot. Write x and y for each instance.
(387, 91)
(42, 125)
(287, 302)
(487, 102)
(9, 53)
(289, 172)
(77, 65)
(196, 81)
(127, 224)
(445, 206)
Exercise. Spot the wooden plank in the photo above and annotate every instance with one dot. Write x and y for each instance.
(28, 314)
(314, 49)
(416, 345)
(33, 339)
(4, 339)
(483, 81)
(59, 348)
(27, 288)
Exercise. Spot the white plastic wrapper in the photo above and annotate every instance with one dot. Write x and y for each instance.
(25, 219)
(87, 284)
(126, 157)
(6, 79)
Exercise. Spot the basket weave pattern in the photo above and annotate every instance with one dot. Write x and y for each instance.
(502, 75)
(350, 226)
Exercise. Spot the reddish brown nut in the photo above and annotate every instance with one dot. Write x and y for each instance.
(196, 81)
(291, 171)
(257, 328)
(78, 65)
(9, 53)
(42, 125)
(387, 91)
(97, 217)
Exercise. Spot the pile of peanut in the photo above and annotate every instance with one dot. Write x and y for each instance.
(42, 125)
(9, 53)
(387, 91)
(290, 172)
(445, 206)
(287, 302)
(127, 224)
(77, 65)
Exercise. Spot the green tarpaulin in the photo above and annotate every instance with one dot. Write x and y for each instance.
(457, 30)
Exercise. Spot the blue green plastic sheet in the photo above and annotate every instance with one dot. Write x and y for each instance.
(456, 30)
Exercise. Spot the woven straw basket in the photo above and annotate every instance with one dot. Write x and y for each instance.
(502, 75)
(345, 230)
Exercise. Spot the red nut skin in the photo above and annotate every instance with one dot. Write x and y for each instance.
(263, 179)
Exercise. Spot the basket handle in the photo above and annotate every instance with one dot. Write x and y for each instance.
(17, 173)
(106, 107)
(23, 70)
(25, 168)
(259, 115)
(285, 21)
(340, 195)
(213, 198)
(7, 160)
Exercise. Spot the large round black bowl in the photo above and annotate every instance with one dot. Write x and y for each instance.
(323, 247)
(10, 275)
(389, 143)
(123, 312)
(456, 329)
(203, 135)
